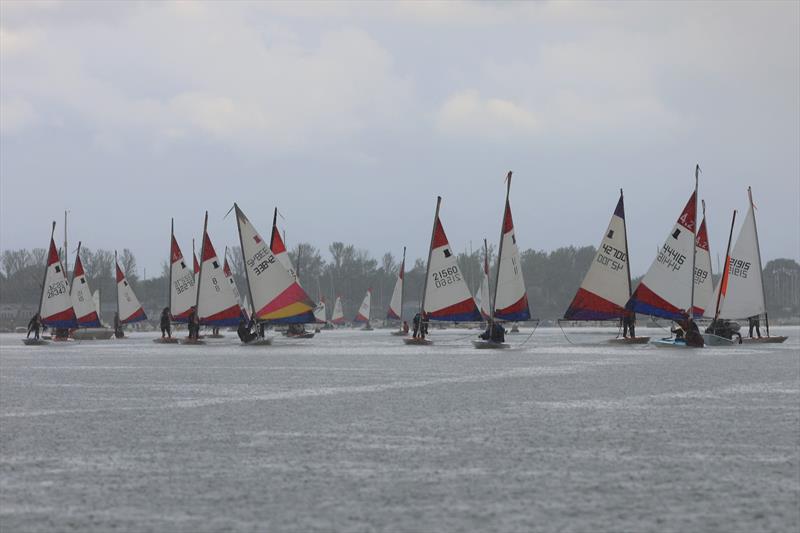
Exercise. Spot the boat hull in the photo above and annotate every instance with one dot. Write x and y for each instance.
(35, 342)
(715, 340)
(765, 340)
(306, 335)
(399, 333)
(266, 341)
(490, 345)
(669, 343)
(629, 340)
(92, 334)
(217, 336)
(165, 340)
(411, 341)
(192, 341)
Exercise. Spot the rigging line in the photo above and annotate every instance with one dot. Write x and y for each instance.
(532, 332)
(563, 332)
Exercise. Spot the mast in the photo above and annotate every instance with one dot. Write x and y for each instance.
(116, 266)
(627, 253)
(66, 250)
(758, 252)
(200, 274)
(44, 278)
(430, 252)
(724, 277)
(72, 280)
(694, 242)
(402, 287)
(169, 286)
(500, 250)
(272, 233)
(244, 260)
(486, 272)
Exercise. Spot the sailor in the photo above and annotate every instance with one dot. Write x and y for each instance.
(118, 333)
(405, 326)
(754, 322)
(628, 323)
(495, 332)
(423, 326)
(416, 322)
(245, 330)
(193, 324)
(33, 326)
(165, 323)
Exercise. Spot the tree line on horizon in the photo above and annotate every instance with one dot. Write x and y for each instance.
(551, 278)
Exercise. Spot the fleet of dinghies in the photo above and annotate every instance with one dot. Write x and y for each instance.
(678, 286)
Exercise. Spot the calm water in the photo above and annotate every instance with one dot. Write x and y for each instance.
(353, 431)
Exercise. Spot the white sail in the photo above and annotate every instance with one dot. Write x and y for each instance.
(56, 309)
(320, 313)
(127, 303)
(338, 313)
(666, 289)
(217, 305)
(606, 288)
(703, 284)
(96, 300)
(447, 296)
(482, 296)
(276, 296)
(81, 295)
(182, 289)
(396, 303)
(229, 276)
(364, 309)
(510, 296)
(745, 291)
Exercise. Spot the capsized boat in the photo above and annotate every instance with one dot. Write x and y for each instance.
(445, 295)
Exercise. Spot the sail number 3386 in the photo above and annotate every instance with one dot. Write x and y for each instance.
(446, 276)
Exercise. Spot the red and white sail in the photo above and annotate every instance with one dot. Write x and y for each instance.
(745, 290)
(510, 296)
(666, 290)
(229, 276)
(703, 284)
(482, 297)
(130, 310)
(216, 303)
(81, 295)
(183, 287)
(56, 309)
(606, 288)
(447, 296)
(396, 303)
(276, 295)
(279, 249)
(338, 313)
(364, 309)
(320, 313)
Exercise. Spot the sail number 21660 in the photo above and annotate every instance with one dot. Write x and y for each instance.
(446, 276)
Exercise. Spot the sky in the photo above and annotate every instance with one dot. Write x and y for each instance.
(351, 117)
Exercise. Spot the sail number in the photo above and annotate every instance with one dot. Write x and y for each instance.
(738, 268)
(184, 283)
(671, 258)
(614, 258)
(446, 276)
(54, 289)
(700, 275)
(261, 261)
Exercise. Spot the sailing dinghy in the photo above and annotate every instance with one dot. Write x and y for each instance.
(713, 336)
(55, 305)
(606, 288)
(337, 317)
(395, 311)
(129, 310)
(510, 302)
(745, 296)
(89, 326)
(363, 314)
(445, 295)
(182, 287)
(482, 296)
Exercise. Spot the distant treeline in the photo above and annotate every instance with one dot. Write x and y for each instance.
(551, 278)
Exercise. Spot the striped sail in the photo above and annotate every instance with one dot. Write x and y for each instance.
(511, 298)
(703, 284)
(229, 276)
(745, 289)
(605, 289)
(338, 313)
(216, 303)
(364, 309)
(320, 313)
(395, 304)
(81, 295)
(183, 289)
(56, 309)
(128, 304)
(447, 296)
(666, 290)
(276, 295)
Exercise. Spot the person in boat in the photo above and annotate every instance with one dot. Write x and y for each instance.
(34, 325)
(118, 333)
(215, 331)
(724, 328)
(416, 321)
(628, 324)
(495, 332)
(295, 329)
(166, 324)
(245, 330)
(687, 330)
(754, 322)
(405, 327)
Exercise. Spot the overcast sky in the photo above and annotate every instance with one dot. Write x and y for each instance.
(352, 117)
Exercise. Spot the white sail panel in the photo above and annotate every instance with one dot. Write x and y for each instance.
(447, 296)
(364, 309)
(183, 289)
(216, 303)
(96, 300)
(56, 309)
(666, 290)
(229, 276)
(338, 313)
(81, 295)
(703, 284)
(482, 296)
(128, 304)
(605, 290)
(279, 249)
(395, 304)
(276, 296)
(745, 292)
(320, 313)
(511, 298)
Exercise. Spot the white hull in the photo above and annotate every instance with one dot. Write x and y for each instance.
(715, 340)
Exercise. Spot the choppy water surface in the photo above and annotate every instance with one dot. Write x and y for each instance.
(354, 431)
